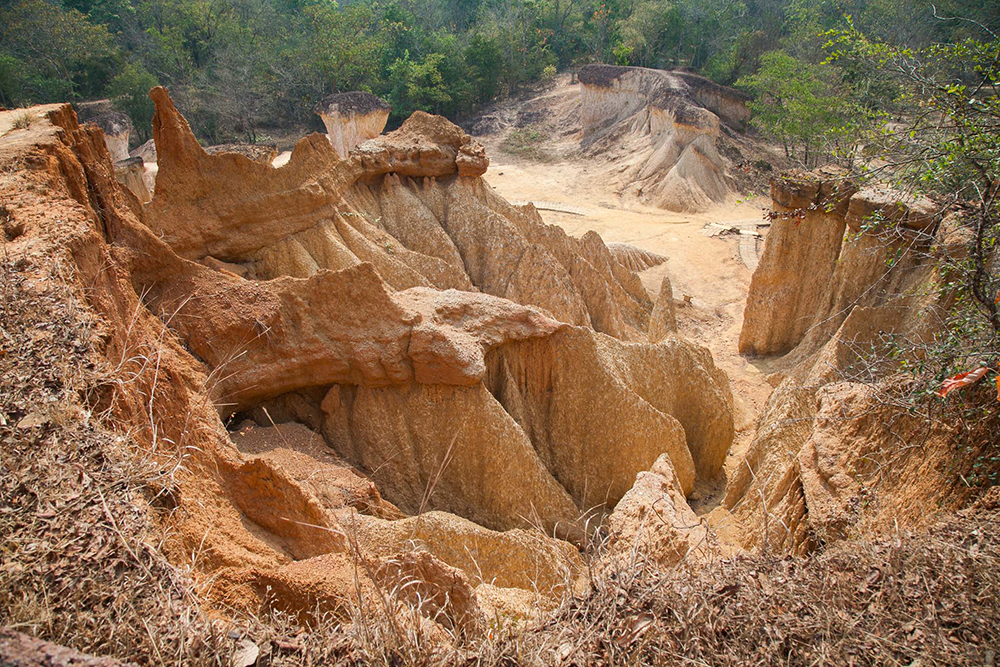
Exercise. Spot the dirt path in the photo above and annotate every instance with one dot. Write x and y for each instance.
(707, 269)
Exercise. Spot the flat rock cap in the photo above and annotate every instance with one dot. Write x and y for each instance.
(352, 103)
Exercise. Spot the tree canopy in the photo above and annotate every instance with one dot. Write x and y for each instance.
(237, 66)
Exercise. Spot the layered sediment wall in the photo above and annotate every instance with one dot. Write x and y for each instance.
(668, 122)
(401, 358)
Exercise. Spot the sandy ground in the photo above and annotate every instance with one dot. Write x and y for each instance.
(706, 269)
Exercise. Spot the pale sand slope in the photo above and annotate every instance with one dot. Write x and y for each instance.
(707, 269)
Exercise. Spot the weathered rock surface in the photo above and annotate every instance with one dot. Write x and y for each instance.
(262, 153)
(663, 320)
(828, 251)
(396, 204)
(662, 127)
(117, 128)
(635, 258)
(841, 269)
(491, 421)
(652, 522)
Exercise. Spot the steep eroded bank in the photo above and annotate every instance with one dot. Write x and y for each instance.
(384, 334)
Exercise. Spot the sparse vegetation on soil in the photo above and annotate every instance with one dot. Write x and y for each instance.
(650, 370)
(527, 142)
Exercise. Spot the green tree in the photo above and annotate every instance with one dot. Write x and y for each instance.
(485, 67)
(418, 85)
(645, 31)
(129, 92)
(345, 46)
(945, 143)
(57, 52)
(797, 103)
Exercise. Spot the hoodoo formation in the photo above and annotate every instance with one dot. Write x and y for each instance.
(117, 128)
(357, 406)
(352, 118)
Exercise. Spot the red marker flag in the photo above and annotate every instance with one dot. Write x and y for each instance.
(961, 380)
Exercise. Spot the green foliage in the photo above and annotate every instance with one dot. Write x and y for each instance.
(418, 85)
(797, 103)
(944, 142)
(485, 63)
(129, 92)
(20, 85)
(237, 65)
(57, 53)
(646, 31)
(345, 46)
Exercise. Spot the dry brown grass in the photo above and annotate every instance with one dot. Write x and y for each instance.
(913, 599)
(23, 121)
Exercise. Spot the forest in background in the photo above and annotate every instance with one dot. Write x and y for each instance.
(238, 67)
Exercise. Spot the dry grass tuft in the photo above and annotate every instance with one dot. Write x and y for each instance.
(23, 121)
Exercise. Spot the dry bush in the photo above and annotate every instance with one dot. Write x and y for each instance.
(930, 597)
(23, 121)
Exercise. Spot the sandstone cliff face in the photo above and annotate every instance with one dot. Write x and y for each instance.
(663, 127)
(422, 362)
(840, 269)
(831, 249)
(407, 203)
(492, 422)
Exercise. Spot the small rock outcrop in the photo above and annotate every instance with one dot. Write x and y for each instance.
(662, 127)
(352, 118)
(131, 172)
(117, 128)
(652, 522)
(663, 320)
